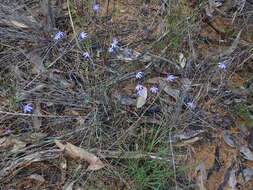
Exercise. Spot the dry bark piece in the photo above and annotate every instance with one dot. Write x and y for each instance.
(79, 153)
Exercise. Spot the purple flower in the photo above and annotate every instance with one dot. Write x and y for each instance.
(139, 75)
(58, 35)
(86, 54)
(96, 7)
(139, 87)
(154, 89)
(141, 92)
(221, 65)
(171, 78)
(113, 45)
(27, 108)
(111, 49)
(83, 35)
(191, 105)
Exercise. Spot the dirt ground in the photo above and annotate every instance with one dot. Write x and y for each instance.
(70, 121)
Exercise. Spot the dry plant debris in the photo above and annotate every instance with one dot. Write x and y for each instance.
(160, 90)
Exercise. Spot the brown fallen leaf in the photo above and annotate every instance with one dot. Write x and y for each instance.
(79, 153)
(141, 100)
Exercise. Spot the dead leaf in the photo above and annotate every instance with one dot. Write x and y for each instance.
(18, 24)
(17, 145)
(246, 153)
(68, 186)
(188, 134)
(155, 80)
(37, 136)
(170, 91)
(21, 161)
(125, 99)
(182, 60)
(36, 61)
(37, 178)
(141, 100)
(79, 153)
(232, 48)
(188, 142)
(13, 142)
(228, 138)
(201, 176)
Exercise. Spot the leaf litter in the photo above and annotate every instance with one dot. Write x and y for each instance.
(79, 153)
(59, 94)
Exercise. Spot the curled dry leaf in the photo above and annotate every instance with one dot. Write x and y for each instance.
(141, 100)
(37, 178)
(228, 138)
(246, 153)
(79, 153)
